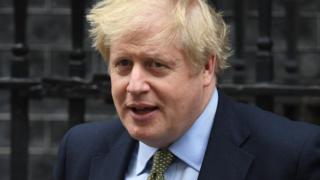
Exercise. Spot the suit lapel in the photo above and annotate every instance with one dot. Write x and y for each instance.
(224, 159)
(113, 165)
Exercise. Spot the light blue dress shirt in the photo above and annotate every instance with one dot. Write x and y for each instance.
(189, 150)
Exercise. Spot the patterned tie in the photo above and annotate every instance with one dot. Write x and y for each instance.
(161, 161)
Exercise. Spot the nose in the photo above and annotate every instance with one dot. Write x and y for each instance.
(138, 81)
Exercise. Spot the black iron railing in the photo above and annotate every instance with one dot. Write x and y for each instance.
(19, 101)
(76, 89)
(76, 64)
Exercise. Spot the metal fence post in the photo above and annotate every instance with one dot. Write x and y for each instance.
(292, 16)
(239, 65)
(76, 108)
(264, 65)
(19, 100)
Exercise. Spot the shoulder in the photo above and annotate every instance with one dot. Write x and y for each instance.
(268, 128)
(284, 147)
(96, 137)
(275, 137)
(83, 142)
(261, 121)
(97, 129)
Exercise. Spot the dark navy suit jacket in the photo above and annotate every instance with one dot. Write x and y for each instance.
(246, 143)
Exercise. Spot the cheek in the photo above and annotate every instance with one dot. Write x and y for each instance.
(176, 105)
(118, 90)
(188, 101)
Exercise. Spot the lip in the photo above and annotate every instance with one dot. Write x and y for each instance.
(144, 116)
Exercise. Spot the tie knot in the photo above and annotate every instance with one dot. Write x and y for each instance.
(161, 161)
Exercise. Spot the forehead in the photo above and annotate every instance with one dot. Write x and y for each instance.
(145, 48)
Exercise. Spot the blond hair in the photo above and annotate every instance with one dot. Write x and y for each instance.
(200, 29)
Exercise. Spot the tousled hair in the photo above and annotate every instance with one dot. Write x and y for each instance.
(201, 30)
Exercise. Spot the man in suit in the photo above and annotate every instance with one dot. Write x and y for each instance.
(163, 57)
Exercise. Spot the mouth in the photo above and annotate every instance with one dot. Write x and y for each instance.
(140, 111)
(143, 110)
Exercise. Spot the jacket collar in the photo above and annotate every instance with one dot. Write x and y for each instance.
(113, 165)
(224, 158)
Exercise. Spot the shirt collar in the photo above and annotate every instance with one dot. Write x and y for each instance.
(196, 137)
(145, 153)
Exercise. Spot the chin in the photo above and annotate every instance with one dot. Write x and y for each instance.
(152, 140)
(139, 133)
(145, 137)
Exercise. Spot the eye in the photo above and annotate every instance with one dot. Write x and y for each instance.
(122, 65)
(156, 65)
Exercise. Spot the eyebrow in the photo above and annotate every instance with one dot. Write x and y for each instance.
(151, 53)
(124, 51)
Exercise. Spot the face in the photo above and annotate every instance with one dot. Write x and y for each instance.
(156, 93)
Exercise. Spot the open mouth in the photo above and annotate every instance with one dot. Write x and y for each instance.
(143, 110)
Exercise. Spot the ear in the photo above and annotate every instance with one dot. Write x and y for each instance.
(209, 70)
